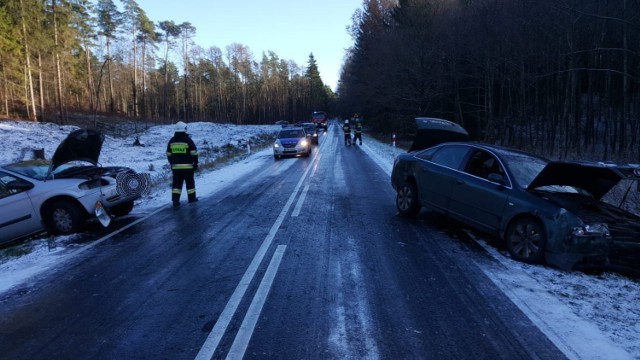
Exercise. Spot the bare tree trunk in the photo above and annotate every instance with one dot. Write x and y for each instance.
(90, 81)
(41, 86)
(5, 88)
(110, 78)
(135, 73)
(626, 113)
(62, 114)
(29, 78)
(166, 84)
(144, 81)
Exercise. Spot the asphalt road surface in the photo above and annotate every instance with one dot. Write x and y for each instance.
(303, 259)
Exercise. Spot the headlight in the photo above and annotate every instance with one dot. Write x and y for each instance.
(275, 145)
(304, 143)
(92, 184)
(591, 230)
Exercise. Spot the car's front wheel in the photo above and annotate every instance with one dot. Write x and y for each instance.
(526, 240)
(407, 199)
(64, 217)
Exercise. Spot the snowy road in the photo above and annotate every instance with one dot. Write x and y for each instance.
(305, 258)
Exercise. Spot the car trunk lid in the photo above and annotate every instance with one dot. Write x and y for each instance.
(433, 131)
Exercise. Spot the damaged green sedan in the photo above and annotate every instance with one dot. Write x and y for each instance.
(544, 211)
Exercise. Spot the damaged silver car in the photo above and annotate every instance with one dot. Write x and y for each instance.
(60, 195)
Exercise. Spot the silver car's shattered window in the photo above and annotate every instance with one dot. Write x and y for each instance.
(35, 169)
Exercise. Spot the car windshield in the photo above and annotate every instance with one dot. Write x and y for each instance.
(35, 169)
(523, 167)
(292, 133)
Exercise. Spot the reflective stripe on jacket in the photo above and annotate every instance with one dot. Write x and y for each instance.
(182, 152)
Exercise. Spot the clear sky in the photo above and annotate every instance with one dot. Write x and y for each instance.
(290, 28)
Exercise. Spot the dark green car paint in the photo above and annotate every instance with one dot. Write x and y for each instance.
(493, 207)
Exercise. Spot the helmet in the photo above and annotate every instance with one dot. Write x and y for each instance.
(181, 127)
(346, 121)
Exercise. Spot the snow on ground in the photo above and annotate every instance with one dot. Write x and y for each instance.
(586, 316)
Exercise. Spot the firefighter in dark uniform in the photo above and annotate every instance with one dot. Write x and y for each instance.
(347, 132)
(357, 130)
(183, 157)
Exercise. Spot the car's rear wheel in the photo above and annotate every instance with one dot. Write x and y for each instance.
(407, 199)
(526, 240)
(64, 217)
(122, 209)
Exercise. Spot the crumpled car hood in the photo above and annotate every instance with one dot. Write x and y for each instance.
(80, 145)
(596, 178)
(434, 131)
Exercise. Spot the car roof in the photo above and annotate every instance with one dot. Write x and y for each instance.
(291, 129)
(580, 174)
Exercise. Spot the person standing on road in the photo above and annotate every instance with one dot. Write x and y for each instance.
(358, 129)
(347, 133)
(183, 157)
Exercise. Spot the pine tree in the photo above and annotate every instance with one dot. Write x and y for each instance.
(108, 22)
(317, 94)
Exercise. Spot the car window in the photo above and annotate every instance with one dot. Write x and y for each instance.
(524, 168)
(482, 163)
(450, 156)
(286, 134)
(4, 180)
(427, 154)
(35, 169)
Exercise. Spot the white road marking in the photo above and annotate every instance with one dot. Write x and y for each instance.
(545, 312)
(239, 346)
(377, 159)
(213, 339)
(314, 164)
(296, 210)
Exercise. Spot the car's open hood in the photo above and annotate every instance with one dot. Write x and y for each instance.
(596, 178)
(433, 131)
(80, 145)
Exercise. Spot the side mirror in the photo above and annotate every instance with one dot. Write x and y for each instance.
(19, 185)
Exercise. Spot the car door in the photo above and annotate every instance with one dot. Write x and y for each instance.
(17, 215)
(479, 196)
(437, 173)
